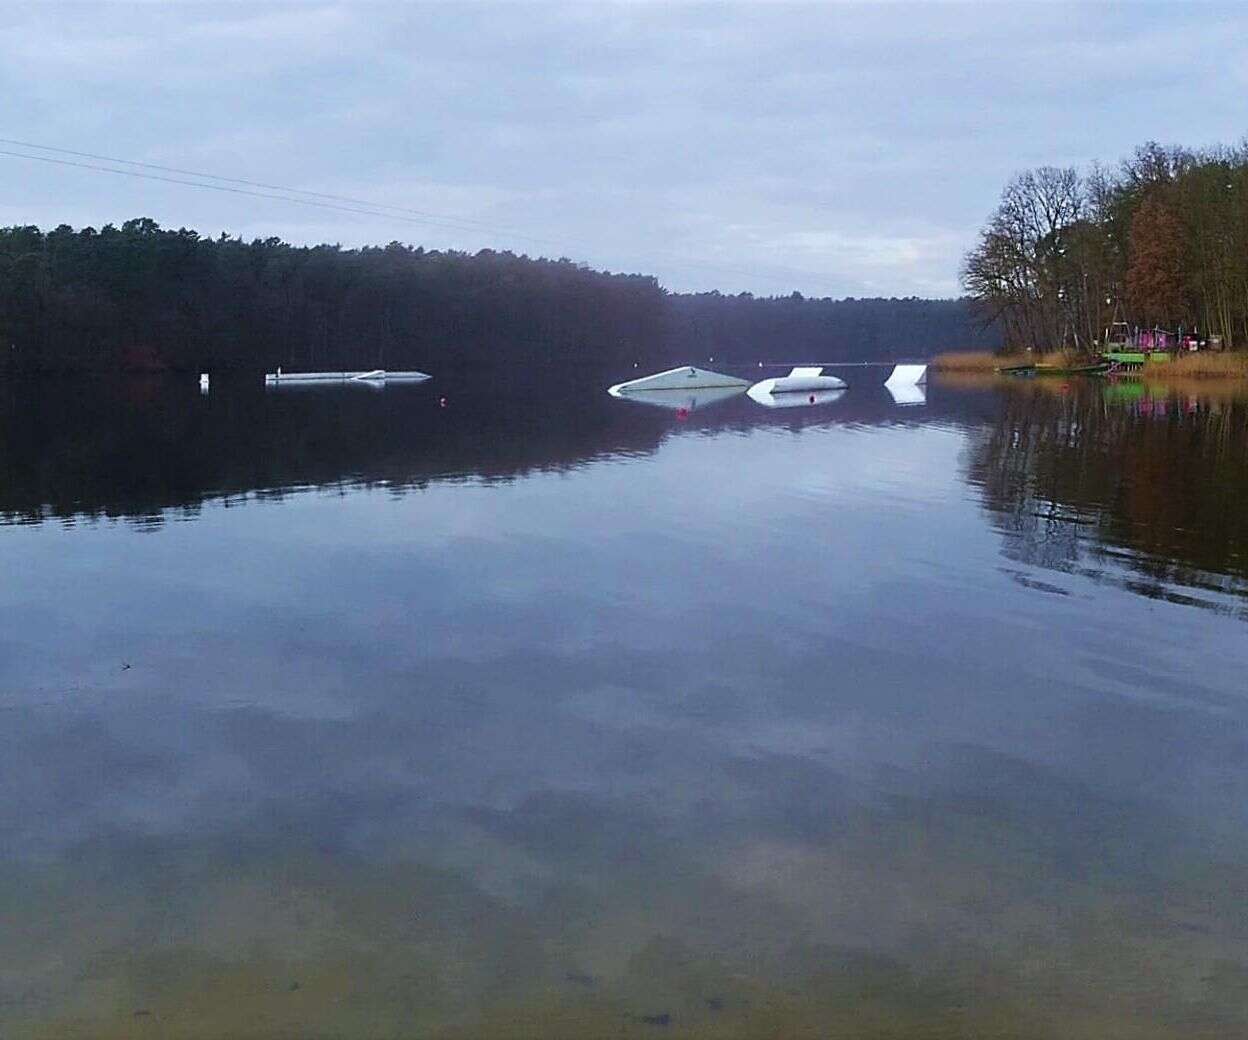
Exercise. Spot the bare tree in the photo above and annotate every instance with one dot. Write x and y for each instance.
(1022, 274)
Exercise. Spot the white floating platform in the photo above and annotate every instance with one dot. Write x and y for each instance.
(686, 378)
(792, 399)
(799, 381)
(683, 400)
(374, 376)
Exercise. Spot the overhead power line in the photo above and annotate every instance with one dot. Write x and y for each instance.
(363, 209)
(342, 204)
(256, 184)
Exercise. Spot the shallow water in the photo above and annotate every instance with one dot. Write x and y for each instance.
(343, 713)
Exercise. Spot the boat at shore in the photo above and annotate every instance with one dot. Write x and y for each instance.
(1097, 367)
(1094, 368)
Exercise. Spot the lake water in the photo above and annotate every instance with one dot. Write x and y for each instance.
(342, 713)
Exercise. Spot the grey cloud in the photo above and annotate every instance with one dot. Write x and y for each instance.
(835, 149)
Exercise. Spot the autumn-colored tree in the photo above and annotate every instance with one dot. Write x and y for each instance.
(1166, 233)
(1156, 281)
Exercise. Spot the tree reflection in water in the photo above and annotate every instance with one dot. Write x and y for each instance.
(1137, 486)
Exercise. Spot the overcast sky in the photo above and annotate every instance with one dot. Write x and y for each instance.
(835, 149)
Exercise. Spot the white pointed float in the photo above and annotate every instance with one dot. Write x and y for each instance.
(687, 377)
(683, 400)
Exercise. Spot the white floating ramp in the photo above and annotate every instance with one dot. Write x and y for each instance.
(374, 376)
(907, 375)
(907, 395)
(908, 384)
(686, 378)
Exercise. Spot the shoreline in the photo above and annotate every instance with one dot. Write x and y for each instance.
(1206, 368)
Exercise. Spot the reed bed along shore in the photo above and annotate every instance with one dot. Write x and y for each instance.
(967, 361)
(1201, 365)
(986, 362)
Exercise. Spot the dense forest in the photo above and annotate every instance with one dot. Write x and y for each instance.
(1161, 241)
(796, 328)
(143, 297)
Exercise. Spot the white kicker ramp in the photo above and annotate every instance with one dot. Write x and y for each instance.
(907, 375)
(908, 384)
(907, 395)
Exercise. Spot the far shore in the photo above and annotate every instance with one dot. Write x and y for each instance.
(1196, 366)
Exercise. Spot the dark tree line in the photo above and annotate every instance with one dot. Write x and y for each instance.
(1160, 241)
(797, 328)
(143, 297)
(139, 296)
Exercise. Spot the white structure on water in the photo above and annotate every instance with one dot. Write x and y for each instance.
(376, 376)
(908, 384)
(684, 400)
(791, 399)
(798, 381)
(687, 377)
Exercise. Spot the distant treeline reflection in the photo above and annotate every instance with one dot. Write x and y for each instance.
(148, 447)
(138, 447)
(1086, 473)
(140, 297)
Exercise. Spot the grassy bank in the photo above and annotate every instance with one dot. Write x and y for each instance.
(971, 361)
(966, 361)
(1196, 366)
(1199, 366)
